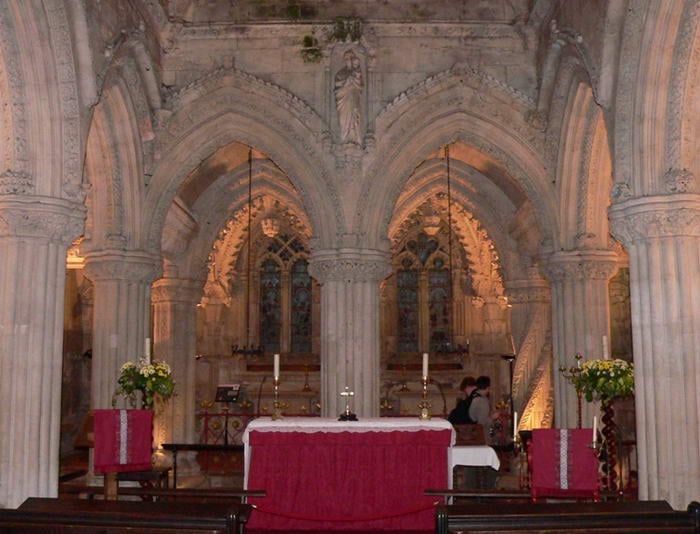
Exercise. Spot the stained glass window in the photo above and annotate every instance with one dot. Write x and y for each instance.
(407, 299)
(270, 306)
(439, 306)
(301, 307)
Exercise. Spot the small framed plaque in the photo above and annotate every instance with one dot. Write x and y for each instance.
(227, 392)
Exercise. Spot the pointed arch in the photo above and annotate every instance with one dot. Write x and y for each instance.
(232, 106)
(458, 106)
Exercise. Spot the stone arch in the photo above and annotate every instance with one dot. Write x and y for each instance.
(233, 106)
(220, 241)
(580, 120)
(682, 158)
(655, 38)
(39, 67)
(446, 109)
(117, 152)
(114, 168)
(476, 221)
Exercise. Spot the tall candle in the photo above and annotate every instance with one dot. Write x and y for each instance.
(595, 428)
(515, 426)
(276, 372)
(147, 350)
(605, 347)
(425, 365)
(512, 345)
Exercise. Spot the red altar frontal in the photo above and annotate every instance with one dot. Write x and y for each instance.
(327, 475)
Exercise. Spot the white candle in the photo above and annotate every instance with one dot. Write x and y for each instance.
(605, 347)
(515, 426)
(147, 350)
(276, 371)
(595, 429)
(425, 365)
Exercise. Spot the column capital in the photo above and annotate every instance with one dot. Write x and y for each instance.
(646, 218)
(533, 289)
(128, 265)
(53, 219)
(581, 265)
(185, 290)
(349, 265)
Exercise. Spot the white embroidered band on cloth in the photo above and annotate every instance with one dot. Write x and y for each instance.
(563, 459)
(123, 437)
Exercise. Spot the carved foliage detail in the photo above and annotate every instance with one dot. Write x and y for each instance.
(349, 270)
(679, 181)
(132, 266)
(56, 223)
(16, 183)
(669, 222)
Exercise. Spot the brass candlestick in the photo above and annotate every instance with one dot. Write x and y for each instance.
(571, 374)
(276, 408)
(425, 405)
(306, 387)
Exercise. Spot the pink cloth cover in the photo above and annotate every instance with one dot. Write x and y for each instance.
(366, 481)
(563, 464)
(123, 440)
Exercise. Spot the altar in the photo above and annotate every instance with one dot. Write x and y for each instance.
(327, 475)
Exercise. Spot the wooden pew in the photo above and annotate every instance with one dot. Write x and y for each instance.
(601, 518)
(164, 494)
(44, 515)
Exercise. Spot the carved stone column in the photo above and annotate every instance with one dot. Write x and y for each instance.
(121, 321)
(532, 370)
(580, 319)
(662, 236)
(175, 339)
(350, 348)
(35, 233)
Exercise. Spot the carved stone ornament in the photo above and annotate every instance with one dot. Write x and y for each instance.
(349, 266)
(183, 290)
(132, 265)
(348, 90)
(589, 265)
(53, 219)
(526, 295)
(621, 191)
(647, 218)
(16, 183)
(679, 181)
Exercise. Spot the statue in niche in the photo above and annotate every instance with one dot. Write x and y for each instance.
(348, 98)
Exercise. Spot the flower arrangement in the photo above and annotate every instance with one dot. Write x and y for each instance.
(154, 381)
(604, 379)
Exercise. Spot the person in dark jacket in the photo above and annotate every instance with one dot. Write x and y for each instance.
(460, 414)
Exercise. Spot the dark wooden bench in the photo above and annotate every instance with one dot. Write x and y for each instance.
(48, 515)
(478, 496)
(524, 496)
(164, 494)
(602, 518)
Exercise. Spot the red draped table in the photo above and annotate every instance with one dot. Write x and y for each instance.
(327, 475)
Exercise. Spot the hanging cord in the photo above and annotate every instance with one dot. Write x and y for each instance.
(250, 239)
(449, 244)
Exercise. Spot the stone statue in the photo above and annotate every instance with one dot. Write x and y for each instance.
(348, 99)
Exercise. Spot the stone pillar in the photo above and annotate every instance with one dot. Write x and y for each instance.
(121, 320)
(662, 236)
(350, 348)
(531, 314)
(175, 342)
(580, 319)
(34, 237)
